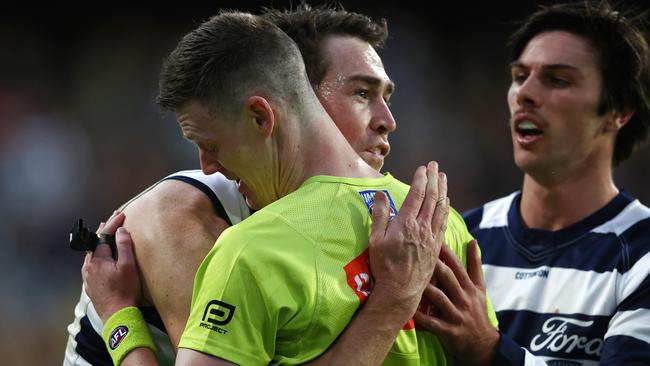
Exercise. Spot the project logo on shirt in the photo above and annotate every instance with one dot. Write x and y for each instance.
(369, 199)
(217, 313)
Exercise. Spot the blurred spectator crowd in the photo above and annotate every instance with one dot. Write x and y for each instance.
(80, 134)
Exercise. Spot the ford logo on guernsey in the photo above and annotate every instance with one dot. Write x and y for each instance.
(117, 336)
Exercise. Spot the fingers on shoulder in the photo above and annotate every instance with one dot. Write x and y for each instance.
(124, 246)
(116, 220)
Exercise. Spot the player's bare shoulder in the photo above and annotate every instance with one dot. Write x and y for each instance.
(178, 206)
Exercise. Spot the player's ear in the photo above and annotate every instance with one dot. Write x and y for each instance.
(618, 119)
(259, 109)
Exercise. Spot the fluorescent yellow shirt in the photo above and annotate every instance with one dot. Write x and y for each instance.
(282, 285)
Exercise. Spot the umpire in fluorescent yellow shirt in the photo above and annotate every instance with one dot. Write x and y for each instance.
(282, 285)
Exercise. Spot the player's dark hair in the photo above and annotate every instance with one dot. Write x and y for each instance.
(221, 61)
(620, 40)
(310, 26)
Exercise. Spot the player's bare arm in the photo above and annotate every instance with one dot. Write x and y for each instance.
(414, 239)
(173, 227)
(117, 282)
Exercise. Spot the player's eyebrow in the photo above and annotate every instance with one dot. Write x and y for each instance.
(550, 67)
(373, 81)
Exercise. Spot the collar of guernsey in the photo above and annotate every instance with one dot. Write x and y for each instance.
(365, 182)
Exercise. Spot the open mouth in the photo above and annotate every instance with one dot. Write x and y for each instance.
(527, 129)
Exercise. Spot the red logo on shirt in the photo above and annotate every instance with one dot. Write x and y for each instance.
(360, 280)
(359, 276)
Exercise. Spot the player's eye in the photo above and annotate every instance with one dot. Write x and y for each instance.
(363, 93)
(519, 77)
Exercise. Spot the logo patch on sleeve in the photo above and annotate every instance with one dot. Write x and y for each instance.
(117, 336)
(217, 313)
(369, 199)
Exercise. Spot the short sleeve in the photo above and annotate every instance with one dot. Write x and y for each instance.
(251, 293)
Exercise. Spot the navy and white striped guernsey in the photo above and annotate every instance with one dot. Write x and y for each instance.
(576, 296)
(85, 345)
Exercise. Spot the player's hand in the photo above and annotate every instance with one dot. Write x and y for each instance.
(403, 253)
(112, 285)
(461, 324)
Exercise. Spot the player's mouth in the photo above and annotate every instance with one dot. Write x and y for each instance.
(375, 155)
(246, 192)
(527, 129)
(380, 150)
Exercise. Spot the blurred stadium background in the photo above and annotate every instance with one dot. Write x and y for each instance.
(80, 133)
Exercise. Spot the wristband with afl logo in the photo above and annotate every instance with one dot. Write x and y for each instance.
(125, 331)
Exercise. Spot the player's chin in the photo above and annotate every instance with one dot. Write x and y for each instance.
(375, 160)
(529, 162)
(252, 203)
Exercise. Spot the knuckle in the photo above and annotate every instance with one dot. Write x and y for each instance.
(445, 221)
(425, 237)
(454, 333)
(458, 319)
(463, 302)
(444, 212)
(411, 226)
(420, 194)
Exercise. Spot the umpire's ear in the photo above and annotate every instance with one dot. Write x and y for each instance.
(262, 114)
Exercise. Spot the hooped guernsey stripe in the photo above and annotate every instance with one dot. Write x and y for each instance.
(85, 345)
(580, 294)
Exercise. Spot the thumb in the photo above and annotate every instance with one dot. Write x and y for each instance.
(124, 245)
(380, 217)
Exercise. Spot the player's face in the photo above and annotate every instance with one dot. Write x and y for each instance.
(223, 145)
(553, 100)
(355, 93)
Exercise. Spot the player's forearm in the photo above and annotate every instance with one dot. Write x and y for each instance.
(140, 357)
(370, 334)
